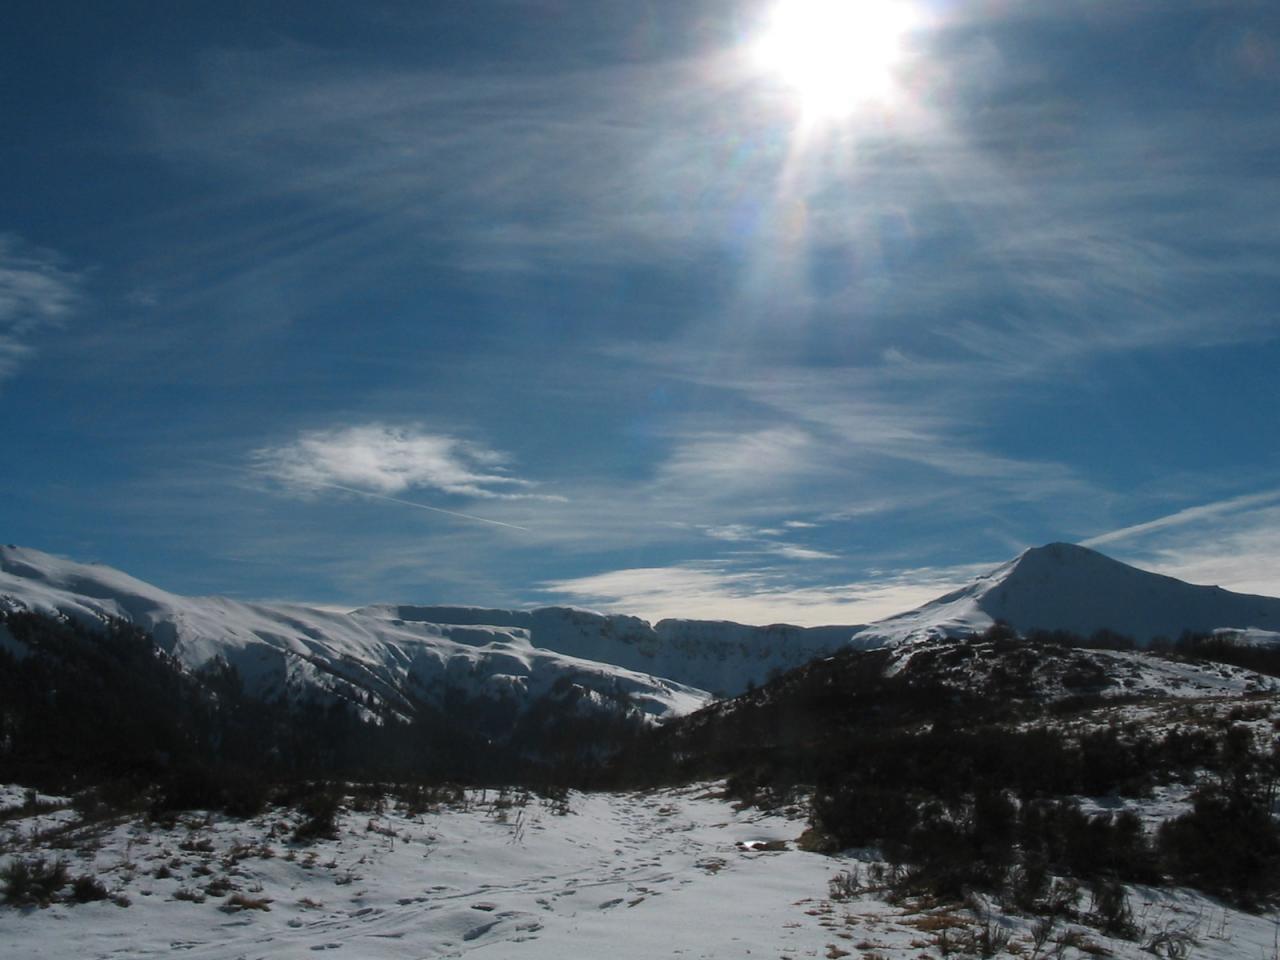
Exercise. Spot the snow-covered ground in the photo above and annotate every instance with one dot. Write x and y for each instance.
(675, 873)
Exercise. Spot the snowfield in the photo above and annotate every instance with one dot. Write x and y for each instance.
(673, 873)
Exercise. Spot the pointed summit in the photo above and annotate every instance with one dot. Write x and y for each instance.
(1063, 586)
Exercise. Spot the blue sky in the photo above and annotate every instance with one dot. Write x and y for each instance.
(531, 301)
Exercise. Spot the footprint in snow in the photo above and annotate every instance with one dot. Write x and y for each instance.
(610, 904)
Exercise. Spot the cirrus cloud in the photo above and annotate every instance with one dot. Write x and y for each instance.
(36, 292)
(386, 460)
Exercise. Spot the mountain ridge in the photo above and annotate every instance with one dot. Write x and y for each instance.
(398, 652)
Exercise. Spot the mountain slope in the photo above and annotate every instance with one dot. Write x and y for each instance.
(1066, 587)
(295, 652)
(719, 656)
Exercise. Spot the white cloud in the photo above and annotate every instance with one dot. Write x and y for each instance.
(732, 532)
(712, 592)
(386, 460)
(764, 540)
(792, 552)
(36, 292)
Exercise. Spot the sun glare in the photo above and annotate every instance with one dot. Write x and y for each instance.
(835, 55)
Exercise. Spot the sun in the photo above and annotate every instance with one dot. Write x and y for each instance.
(836, 56)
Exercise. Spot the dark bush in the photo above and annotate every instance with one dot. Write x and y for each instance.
(17, 881)
(32, 881)
(1225, 845)
(320, 810)
(87, 889)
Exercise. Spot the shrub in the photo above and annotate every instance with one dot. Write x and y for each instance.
(87, 889)
(33, 881)
(321, 811)
(16, 877)
(1225, 845)
(1111, 911)
(846, 885)
(49, 878)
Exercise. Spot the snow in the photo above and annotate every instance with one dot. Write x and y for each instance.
(1250, 636)
(1048, 670)
(717, 656)
(628, 875)
(671, 668)
(1066, 587)
(634, 873)
(297, 651)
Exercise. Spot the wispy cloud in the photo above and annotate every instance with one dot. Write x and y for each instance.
(1063, 232)
(710, 591)
(386, 460)
(765, 540)
(849, 424)
(734, 460)
(37, 292)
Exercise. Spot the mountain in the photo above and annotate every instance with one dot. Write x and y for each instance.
(393, 656)
(294, 652)
(719, 656)
(1066, 587)
(286, 649)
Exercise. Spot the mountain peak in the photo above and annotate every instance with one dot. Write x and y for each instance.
(1064, 586)
(1057, 558)
(1061, 551)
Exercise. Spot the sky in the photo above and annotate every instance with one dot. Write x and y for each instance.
(804, 311)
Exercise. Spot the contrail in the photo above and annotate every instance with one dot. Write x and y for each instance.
(1189, 515)
(379, 496)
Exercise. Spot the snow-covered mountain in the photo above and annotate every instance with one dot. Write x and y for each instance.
(293, 651)
(402, 654)
(718, 656)
(1066, 587)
